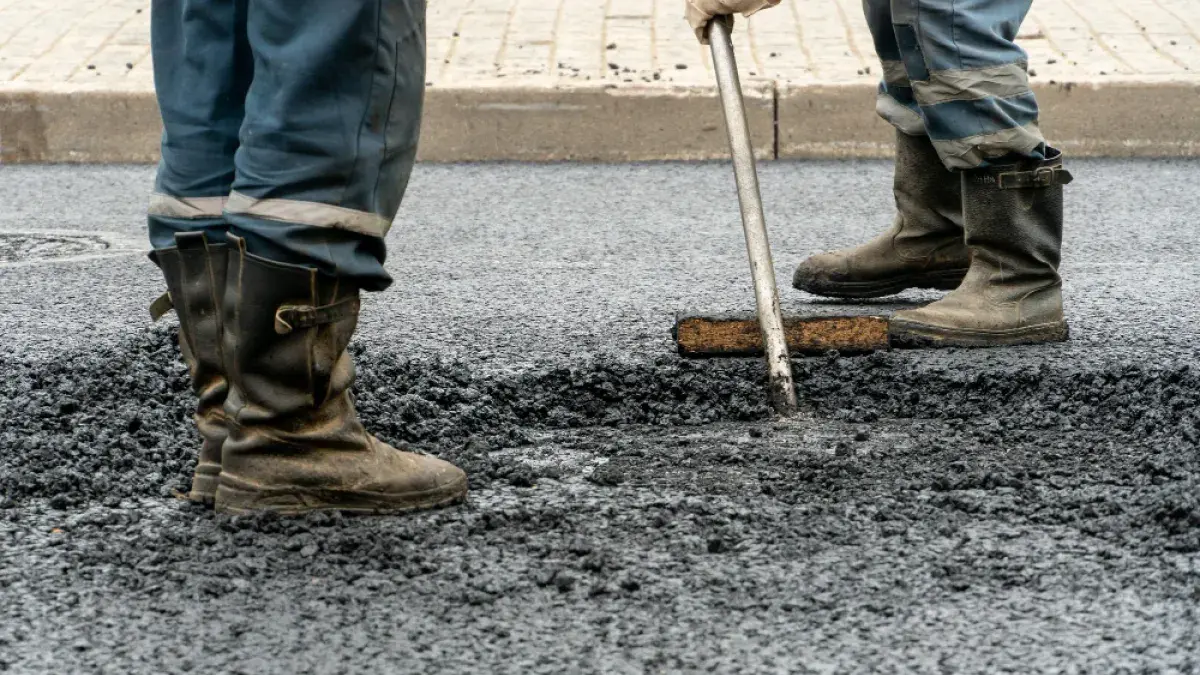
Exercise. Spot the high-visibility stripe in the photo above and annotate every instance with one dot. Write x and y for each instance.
(904, 117)
(895, 74)
(1004, 81)
(315, 214)
(188, 208)
(973, 151)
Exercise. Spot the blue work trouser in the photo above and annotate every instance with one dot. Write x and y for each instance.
(952, 70)
(291, 123)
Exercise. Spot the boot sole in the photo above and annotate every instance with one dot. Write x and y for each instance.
(908, 335)
(204, 483)
(946, 280)
(237, 497)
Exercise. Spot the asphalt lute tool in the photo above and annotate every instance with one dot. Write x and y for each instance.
(762, 268)
(768, 332)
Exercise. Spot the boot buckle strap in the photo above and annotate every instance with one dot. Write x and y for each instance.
(160, 307)
(1043, 177)
(289, 318)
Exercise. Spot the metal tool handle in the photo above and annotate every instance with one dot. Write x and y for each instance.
(762, 267)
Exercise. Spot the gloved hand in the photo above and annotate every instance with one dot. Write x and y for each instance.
(700, 12)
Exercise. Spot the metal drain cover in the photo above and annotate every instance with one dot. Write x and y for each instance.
(32, 247)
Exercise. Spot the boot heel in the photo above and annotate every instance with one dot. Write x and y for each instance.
(204, 483)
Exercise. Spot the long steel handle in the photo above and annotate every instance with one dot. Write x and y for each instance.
(766, 293)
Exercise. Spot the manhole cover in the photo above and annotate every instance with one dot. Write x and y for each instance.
(27, 247)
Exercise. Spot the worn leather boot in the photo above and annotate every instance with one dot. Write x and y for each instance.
(923, 249)
(1012, 294)
(295, 442)
(195, 273)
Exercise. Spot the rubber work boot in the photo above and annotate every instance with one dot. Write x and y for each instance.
(195, 273)
(1013, 294)
(923, 249)
(295, 441)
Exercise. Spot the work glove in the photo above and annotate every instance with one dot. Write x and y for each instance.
(700, 12)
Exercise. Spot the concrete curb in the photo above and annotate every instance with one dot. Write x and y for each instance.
(1089, 119)
(604, 123)
(78, 126)
(596, 123)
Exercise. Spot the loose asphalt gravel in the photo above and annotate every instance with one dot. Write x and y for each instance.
(1023, 510)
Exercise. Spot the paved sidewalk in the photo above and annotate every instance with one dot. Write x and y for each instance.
(625, 79)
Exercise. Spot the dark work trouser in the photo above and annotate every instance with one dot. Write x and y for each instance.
(952, 70)
(291, 123)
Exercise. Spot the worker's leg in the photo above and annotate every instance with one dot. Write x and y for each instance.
(895, 102)
(924, 247)
(202, 69)
(330, 137)
(969, 79)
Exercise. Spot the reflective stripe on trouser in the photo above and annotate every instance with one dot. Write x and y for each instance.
(952, 70)
(328, 133)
